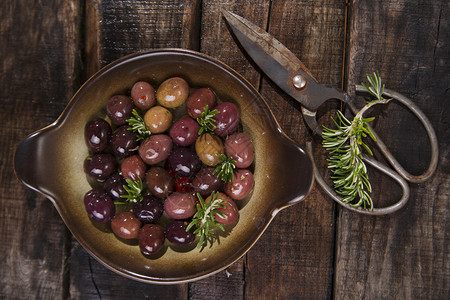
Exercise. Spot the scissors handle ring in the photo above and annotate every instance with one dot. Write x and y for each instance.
(428, 127)
(376, 211)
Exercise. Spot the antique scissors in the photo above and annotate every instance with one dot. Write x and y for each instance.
(291, 75)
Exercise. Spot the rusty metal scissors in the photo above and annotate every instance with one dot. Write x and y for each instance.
(291, 75)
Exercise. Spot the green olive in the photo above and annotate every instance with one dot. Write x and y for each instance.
(173, 92)
(157, 119)
(208, 147)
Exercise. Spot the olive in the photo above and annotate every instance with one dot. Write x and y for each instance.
(124, 141)
(151, 238)
(125, 225)
(184, 162)
(133, 167)
(97, 134)
(208, 148)
(114, 186)
(149, 210)
(240, 186)
(160, 182)
(177, 234)
(119, 109)
(143, 95)
(184, 132)
(205, 182)
(155, 148)
(157, 119)
(100, 166)
(239, 147)
(230, 210)
(198, 100)
(180, 205)
(172, 92)
(99, 206)
(227, 119)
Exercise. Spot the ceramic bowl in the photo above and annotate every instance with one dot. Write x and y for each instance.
(50, 161)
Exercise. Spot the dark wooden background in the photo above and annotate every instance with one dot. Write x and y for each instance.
(314, 250)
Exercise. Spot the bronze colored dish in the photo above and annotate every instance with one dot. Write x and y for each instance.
(50, 161)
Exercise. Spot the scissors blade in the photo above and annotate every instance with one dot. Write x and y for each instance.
(280, 64)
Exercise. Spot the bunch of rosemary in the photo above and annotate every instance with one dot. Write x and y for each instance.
(204, 220)
(345, 144)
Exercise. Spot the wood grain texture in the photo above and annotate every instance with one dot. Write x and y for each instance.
(91, 280)
(217, 42)
(404, 255)
(115, 29)
(313, 250)
(132, 26)
(294, 258)
(39, 64)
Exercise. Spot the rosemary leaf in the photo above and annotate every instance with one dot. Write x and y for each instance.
(346, 143)
(204, 219)
(137, 125)
(206, 121)
(134, 189)
(225, 169)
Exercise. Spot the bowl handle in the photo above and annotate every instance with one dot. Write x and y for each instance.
(297, 173)
(30, 167)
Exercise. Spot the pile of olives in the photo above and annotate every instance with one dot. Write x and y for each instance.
(175, 162)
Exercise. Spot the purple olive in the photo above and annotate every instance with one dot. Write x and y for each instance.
(100, 166)
(125, 225)
(124, 142)
(97, 134)
(119, 109)
(205, 182)
(114, 186)
(143, 95)
(151, 239)
(149, 210)
(198, 100)
(184, 132)
(155, 148)
(184, 162)
(99, 206)
(177, 234)
(133, 167)
(180, 205)
(160, 182)
(240, 186)
(227, 119)
(230, 211)
(239, 147)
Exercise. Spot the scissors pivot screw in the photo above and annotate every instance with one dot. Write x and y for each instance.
(299, 81)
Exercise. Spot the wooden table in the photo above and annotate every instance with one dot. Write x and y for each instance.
(314, 250)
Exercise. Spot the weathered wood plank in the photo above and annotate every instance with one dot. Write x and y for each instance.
(217, 42)
(38, 72)
(286, 255)
(115, 29)
(294, 258)
(95, 281)
(404, 255)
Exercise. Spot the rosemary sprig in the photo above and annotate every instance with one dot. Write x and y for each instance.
(206, 121)
(346, 145)
(376, 89)
(134, 190)
(138, 126)
(204, 219)
(225, 169)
